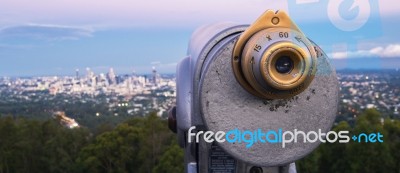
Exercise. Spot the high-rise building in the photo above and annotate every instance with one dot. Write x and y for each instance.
(111, 77)
(91, 78)
(77, 74)
(155, 76)
(88, 73)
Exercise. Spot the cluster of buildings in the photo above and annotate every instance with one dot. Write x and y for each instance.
(92, 84)
(365, 90)
(137, 94)
(141, 94)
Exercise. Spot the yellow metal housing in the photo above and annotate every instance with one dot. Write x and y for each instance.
(272, 36)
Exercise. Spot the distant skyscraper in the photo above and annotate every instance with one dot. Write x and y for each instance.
(91, 78)
(111, 77)
(155, 76)
(88, 73)
(77, 74)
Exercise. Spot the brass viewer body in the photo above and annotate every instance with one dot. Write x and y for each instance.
(273, 59)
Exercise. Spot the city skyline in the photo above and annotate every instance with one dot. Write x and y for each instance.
(360, 90)
(84, 72)
(55, 38)
(105, 71)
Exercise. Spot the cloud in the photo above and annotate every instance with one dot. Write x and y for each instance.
(46, 32)
(12, 46)
(155, 63)
(161, 67)
(390, 51)
(128, 13)
(159, 64)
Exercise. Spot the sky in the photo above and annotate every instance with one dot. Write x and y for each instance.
(47, 37)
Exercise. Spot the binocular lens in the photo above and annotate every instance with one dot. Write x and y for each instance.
(284, 64)
(274, 62)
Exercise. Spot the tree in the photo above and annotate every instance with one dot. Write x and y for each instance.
(7, 140)
(393, 138)
(156, 139)
(370, 157)
(358, 157)
(113, 151)
(335, 156)
(171, 160)
(137, 145)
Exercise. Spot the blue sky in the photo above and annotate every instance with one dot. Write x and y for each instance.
(50, 37)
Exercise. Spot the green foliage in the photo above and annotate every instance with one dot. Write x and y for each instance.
(146, 145)
(137, 145)
(393, 135)
(358, 157)
(170, 161)
(112, 151)
(33, 146)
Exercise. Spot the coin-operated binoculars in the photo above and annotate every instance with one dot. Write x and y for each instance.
(252, 99)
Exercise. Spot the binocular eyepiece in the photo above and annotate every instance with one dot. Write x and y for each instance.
(273, 59)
